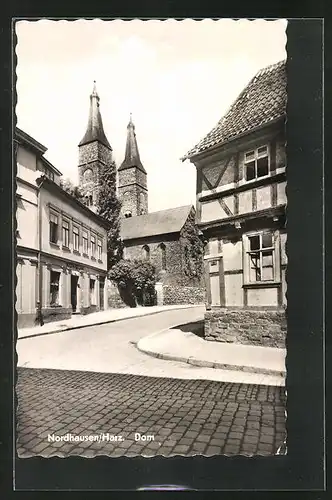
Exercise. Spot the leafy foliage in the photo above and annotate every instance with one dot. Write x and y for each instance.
(108, 207)
(193, 245)
(68, 186)
(136, 280)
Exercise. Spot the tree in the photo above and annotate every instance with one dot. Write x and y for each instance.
(144, 275)
(108, 207)
(136, 281)
(192, 240)
(68, 186)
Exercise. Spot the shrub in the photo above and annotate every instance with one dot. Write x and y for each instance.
(136, 281)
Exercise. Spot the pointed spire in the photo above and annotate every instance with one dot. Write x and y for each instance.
(95, 129)
(132, 158)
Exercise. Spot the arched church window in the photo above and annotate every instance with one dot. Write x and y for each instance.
(87, 176)
(127, 214)
(146, 252)
(162, 249)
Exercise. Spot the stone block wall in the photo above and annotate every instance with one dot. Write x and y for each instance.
(246, 326)
(173, 273)
(183, 295)
(89, 309)
(56, 314)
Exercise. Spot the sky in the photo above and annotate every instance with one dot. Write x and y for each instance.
(177, 78)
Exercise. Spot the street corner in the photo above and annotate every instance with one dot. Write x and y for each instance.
(91, 414)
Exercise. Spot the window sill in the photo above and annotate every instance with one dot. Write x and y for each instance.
(93, 258)
(76, 252)
(262, 284)
(85, 255)
(244, 181)
(55, 245)
(100, 261)
(66, 249)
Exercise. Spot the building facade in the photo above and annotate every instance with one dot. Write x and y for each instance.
(157, 236)
(241, 202)
(160, 237)
(61, 244)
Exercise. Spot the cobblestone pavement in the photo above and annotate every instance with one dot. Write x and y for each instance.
(176, 417)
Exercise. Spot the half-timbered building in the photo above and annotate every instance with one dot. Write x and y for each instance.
(241, 201)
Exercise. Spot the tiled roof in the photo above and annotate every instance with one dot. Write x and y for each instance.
(155, 223)
(95, 129)
(132, 158)
(262, 101)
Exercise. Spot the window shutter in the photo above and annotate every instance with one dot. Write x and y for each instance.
(277, 255)
(245, 260)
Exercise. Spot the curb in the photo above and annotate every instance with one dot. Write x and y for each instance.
(77, 327)
(191, 360)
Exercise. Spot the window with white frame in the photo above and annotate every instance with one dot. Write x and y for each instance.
(100, 249)
(93, 246)
(261, 257)
(85, 241)
(76, 238)
(65, 233)
(54, 228)
(256, 163)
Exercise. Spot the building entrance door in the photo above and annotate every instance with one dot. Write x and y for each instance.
(73, 292)
(101, 293)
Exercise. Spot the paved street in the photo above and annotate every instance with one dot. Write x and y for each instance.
(106, 348)
(110, 348)
(174, 416)
(93, 388)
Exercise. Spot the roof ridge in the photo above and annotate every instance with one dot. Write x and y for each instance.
(224, 131)
(163, 210)
(260, 72)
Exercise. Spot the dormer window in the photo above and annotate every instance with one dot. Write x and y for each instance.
(256, 163)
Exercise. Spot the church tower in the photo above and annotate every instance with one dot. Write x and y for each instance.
(132, 178)
(94, 152)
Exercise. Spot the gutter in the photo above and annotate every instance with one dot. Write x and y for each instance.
(39, 263)
(200, 154)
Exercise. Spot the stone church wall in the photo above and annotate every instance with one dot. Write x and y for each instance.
(177, 287)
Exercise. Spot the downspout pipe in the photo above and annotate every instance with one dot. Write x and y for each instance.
(39, 316)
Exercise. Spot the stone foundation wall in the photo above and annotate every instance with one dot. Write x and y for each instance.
(183, 295)
(246, 326)
(26, 320)
(89, 309)
(56, 314)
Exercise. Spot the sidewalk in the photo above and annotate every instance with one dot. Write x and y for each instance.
(98, 318)
(175, 344)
